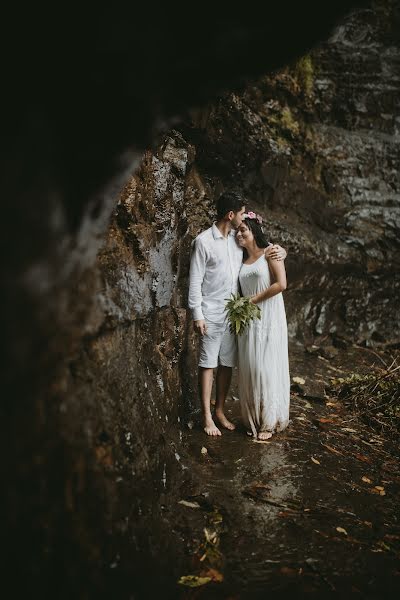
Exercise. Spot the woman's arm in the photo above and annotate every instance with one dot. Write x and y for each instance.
(278, 272)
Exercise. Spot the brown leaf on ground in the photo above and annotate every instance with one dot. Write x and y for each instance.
(368, 524)
(377, 491)
(391, 537)
(315, 461)
(213, 574)
(362, 457)
(365, 479)
(104, 455)
(259, 484)
(289, 571)
(286, 513)
(332, 449)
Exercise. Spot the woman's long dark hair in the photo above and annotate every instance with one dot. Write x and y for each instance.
(257, 230)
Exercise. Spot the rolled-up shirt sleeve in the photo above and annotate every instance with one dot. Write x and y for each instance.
(198, 261)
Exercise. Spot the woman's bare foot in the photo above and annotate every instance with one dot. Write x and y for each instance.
(224, 421)
(210, 428)
(264, 435)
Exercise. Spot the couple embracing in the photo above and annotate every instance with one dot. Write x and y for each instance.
(234, 254)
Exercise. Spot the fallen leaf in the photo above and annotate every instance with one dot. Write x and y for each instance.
(341, 530)
(325, 420)
(383, 545)
(331, 404)
(262, 441)
(379, 487)
(214, 575)
(365, 479)
(331, 449)
(193, 580)
(315, 461)
(259, 485)
(298, 380)
(391, 537)
(104, 455)
(363, 458)
(189, 504)
(349, 429)
(204, 450)
(211, 536)
(308, 405)
(288, 571)
(215, 517)
(375, 491)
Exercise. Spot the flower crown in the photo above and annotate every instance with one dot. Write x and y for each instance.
(252, 215)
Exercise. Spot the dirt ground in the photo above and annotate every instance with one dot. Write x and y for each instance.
(313, 512)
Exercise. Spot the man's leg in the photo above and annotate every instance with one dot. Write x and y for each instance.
(224, 376)
(205, 384)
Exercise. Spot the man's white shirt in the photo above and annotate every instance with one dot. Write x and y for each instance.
(214, 271)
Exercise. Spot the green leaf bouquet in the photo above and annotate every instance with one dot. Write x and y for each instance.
(240, 312)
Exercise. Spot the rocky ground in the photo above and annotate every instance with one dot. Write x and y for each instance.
(312, 512)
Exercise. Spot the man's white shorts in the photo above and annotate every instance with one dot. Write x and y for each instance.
(217, 347)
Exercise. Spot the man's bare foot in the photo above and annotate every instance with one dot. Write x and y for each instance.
(224, 421)
(264, 435)
(210, 428)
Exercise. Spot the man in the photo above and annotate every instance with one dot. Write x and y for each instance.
(214, 274)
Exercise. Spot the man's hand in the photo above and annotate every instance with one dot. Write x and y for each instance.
(275, 252)
(200, 327)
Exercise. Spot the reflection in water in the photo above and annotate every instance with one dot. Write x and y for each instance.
(275, 465)
(269, 466)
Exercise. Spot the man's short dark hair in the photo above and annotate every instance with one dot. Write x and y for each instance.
(229, 201)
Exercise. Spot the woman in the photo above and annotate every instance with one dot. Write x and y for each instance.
(264, 382)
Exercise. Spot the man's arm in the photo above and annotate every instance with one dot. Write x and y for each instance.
(275, 252)
(196, 276)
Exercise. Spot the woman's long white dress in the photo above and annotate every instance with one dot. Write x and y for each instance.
(264, 382)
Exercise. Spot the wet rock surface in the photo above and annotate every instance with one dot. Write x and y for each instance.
(311, 512)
